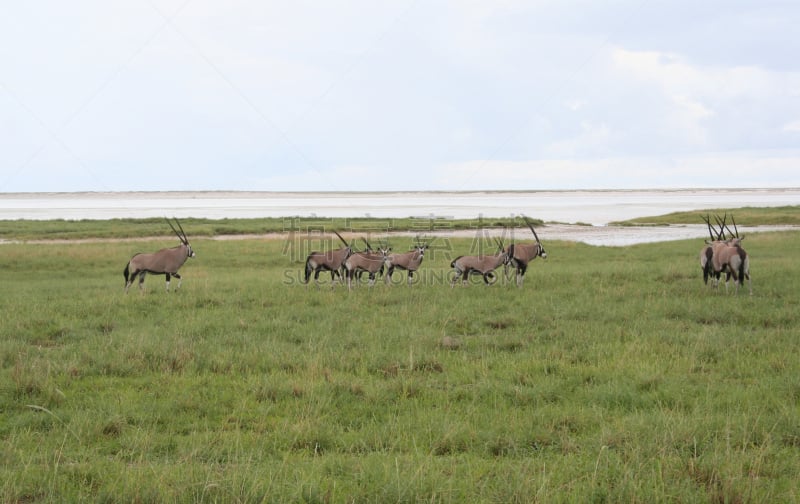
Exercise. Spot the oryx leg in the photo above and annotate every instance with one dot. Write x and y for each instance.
(747, 275)
(456, 274)
(130, 281)
(521, 270)
(410, 277)
(168, 277)
(180, 280)
(141, 279)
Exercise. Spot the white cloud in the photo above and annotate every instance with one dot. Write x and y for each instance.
(575, 104)
(792, 127)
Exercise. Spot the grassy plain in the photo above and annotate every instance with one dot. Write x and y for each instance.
(613, 375)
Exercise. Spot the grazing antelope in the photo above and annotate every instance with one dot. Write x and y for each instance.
(464, 266)
(408, 261)
(332, 261)
(358, 262)
(164, 262)
(524, 253)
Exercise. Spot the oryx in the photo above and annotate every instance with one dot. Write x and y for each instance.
(524, 253)
(408, 261)
(332, 261)
(707, 252)
(371, 262)
(164, 262)
(730, 257)
(484, 265)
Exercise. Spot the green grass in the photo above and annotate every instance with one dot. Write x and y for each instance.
(613, 375)
(751, 216)
(59, 229)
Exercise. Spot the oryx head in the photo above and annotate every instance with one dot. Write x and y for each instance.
(507, 252)
(420, 245)
(384, 247)
(181, 236)
(542, 251)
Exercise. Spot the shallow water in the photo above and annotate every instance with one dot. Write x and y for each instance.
(597, 208)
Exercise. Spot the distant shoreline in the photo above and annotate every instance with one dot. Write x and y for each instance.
(293, 194)
(593, 206)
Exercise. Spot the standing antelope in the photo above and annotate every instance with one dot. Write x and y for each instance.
(332, 261)
(707, 252)
(524, 253)
(371, 262)
(729, 256)
(464, 266)
(164, 262)
(408, 261)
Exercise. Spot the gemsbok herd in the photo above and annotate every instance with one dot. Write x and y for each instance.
(719, 255)
(347, 263)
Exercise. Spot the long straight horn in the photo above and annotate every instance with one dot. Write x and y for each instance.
(528, 222)
(340, 237)
(185, 238)
(707, 218)
(721, 224)
(181, 238)
(499, 243)
(736, 234)
(734, 227)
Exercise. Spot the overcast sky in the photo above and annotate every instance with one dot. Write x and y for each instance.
(115, 95)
